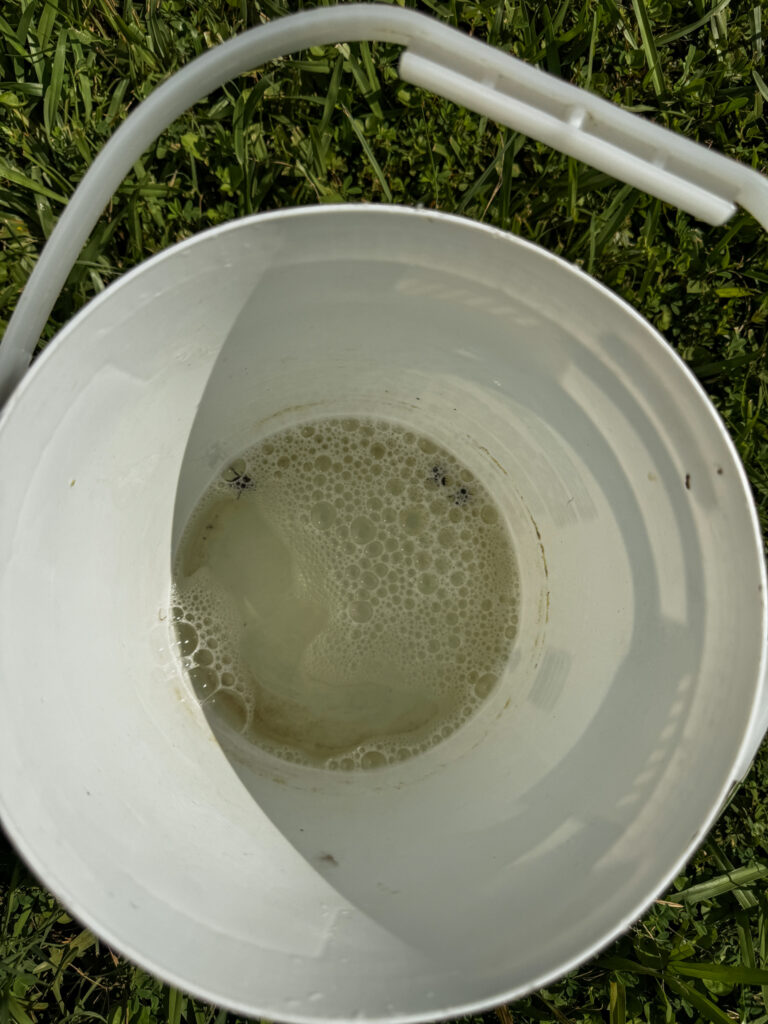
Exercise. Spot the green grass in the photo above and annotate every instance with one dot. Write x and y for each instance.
(334, 125)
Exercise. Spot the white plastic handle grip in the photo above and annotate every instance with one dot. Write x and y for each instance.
(437, 57)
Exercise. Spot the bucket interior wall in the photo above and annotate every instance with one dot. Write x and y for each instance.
(535, 832)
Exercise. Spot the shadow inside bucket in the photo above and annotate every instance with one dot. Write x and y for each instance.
(576, 841)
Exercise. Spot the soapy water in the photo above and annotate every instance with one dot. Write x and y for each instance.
(345, 594)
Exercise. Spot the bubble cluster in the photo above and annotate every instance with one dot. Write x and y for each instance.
(345, 594)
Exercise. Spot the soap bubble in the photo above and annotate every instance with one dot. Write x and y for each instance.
(365, 610)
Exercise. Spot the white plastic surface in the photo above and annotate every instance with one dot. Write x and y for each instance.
(547, 825)
(693, 177)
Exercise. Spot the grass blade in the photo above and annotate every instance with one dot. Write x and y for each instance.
(603, 228)
(369, 153)
(760, 83)
(24, 88)
(720, 972)
(175, 1006)
(238, 129)
(694, 26)
(116, 100)
(762, 940)
(621, 963)
(706, 371)
(321, 135)
(556, 1013)
(719, 27)
(746, 943)
(550, 42)
(745, 898)
(374, 88)
(26, 20)
(18, 1014)
(7, 33)
(17, 178)
(53, 92)
(363, 80)
(736, 879)
(756, 18)
(592, 44)
(504, 1015)
(617, 1006)
(709, 1010)
(476, 185)
(85, 91)
(619, 16)
(46, 22)
(331, 97)
(498, 20)
(649, 47)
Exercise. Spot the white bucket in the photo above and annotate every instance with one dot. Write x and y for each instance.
(633, 700)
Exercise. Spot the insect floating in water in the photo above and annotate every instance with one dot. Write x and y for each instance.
(460, 496)
(438, 475)
(237, 478)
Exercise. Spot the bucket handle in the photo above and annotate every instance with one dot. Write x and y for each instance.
(700, 181)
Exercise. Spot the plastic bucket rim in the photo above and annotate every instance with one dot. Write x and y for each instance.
(57, 886)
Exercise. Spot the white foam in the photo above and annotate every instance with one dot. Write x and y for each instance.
(345, 594)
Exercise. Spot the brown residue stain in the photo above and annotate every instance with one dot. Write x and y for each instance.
(496, 461)
(687, 481)
(328, 858)
(719, 470)
(541, 549)
(191, 706)
(546, 616)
